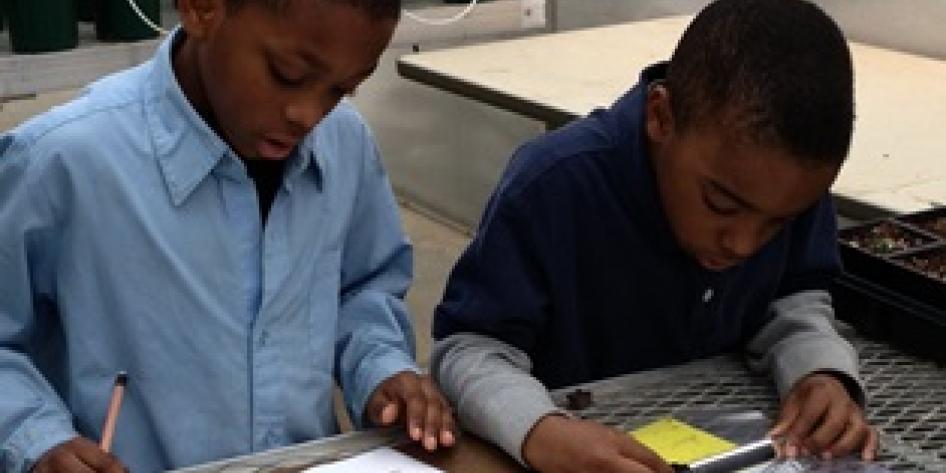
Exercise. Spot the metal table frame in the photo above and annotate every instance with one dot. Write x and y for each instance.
(905, 401)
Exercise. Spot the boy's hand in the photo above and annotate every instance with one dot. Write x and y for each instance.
(819, 417)
(416, 400)
(78, 455)
(558, 444)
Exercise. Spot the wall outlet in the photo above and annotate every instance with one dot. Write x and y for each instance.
(532, 13)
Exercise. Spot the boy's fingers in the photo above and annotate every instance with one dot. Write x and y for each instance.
(389, 414)
(811, 412)
(631, 449)
(432, 424)
(628, 465)
(447, 428)
(790, 410)
(832, 426)
(376, 402)
(96, 459)
(70, 464)
(855, 436)
(791, 450)
(416, 411)
(870, 445)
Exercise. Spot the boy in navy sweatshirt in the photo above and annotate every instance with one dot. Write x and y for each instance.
(689, 219)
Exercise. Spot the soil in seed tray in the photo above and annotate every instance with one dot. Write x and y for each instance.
(933, 264)
(885, 238)
(936, 225)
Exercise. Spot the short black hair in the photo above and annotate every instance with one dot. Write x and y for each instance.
(377, 9)
(777, 69)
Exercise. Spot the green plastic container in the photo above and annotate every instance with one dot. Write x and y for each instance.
(116, 21)
(85, 10)
(41, 26)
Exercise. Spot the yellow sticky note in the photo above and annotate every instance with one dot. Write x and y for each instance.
(677, 442)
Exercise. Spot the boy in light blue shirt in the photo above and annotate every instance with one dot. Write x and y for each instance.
(217, 223)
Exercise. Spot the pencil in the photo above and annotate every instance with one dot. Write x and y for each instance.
(114, 405)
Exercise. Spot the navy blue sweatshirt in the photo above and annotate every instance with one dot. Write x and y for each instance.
(575, 264)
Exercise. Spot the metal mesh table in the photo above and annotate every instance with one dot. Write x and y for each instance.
(905, 402)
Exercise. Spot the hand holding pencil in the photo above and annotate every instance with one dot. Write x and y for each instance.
(81, 455)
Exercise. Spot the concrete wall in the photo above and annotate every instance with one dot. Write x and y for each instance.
(445, 153)
(906, 25)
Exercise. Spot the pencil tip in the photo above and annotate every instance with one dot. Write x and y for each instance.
(122, 378)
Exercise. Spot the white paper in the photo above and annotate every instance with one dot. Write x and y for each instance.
(382, 460)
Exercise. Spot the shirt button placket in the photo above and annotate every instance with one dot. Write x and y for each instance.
(708, 295)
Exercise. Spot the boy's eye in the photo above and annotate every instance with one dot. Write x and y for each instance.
(284, 79)
(720, 205)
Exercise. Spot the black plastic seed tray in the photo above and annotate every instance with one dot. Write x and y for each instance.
(894, 281)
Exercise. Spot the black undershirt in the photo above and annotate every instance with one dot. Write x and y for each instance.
(267, 174)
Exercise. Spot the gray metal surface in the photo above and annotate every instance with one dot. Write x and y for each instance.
(906, 404)
(295, 457)
(905, 400)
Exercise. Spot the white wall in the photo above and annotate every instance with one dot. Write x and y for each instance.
(908, 25)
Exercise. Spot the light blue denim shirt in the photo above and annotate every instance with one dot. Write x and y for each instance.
(131, 240)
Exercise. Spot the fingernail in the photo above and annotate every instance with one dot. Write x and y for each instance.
(416, 433)
(447, 438)
(826, 456)
(430, 443)
(791, 451)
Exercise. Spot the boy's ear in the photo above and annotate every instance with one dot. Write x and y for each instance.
(658, 116)
(199, 17)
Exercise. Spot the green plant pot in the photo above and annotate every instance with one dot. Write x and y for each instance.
(116, 21)
(41, 26)
(85, 10)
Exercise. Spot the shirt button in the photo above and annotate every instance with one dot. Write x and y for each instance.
(708, 295)
(263, 338)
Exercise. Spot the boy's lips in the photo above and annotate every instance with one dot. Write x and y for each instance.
(713, 263)
(275, 147)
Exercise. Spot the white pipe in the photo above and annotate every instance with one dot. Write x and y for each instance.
(440, 21)
(144, 18)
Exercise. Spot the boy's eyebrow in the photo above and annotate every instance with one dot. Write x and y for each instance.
(316, 63)
(310, 60)
(745, 203)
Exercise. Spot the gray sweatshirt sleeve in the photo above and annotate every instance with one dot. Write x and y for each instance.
(489, 384)
(801, 339)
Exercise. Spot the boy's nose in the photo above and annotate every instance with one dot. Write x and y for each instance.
(740, 243)
(304, 116)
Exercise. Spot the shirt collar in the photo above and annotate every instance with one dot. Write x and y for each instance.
(625, 120)
(187, 149)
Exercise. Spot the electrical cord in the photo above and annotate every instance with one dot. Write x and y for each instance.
(145, 19)
(420, 19)
(440, 21)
